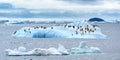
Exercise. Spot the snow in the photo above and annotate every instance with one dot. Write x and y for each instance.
(61, 31)
(83, 48)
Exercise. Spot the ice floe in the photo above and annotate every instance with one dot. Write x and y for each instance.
(83, 48)
(38, 51)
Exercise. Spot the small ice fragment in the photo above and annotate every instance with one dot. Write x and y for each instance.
(83, 44)
(95, 49)
(83, 48)
(63, 50)
(53, 51)
(22, 49)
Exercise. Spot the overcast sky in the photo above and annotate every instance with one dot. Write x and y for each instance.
(65, 4)
(107, 9)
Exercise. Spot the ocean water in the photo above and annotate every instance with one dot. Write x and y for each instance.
(109, 46)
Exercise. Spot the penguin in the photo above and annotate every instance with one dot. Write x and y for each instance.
(24, 30)
(69, 26)
(51, 27)
(73, 27)
(45, 27)
(41, 27)
(76, 32)
(36, 27)
(65, 25)
(15, 32)
(31, 59)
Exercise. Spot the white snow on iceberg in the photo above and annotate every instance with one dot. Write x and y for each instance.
(73, 30)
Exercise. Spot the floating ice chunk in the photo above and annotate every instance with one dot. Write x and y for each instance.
(95, 49)
(37, 51)
(54, 51)
(14, 22)
(14, 52)
(83, 48)
(83, 44)
(19, 51)
(8, 51)
(63, 50)
(22, 49)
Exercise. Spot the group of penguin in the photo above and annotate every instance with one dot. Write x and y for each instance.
(89, 28)
(82, 30)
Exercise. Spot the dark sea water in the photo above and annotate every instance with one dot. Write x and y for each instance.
(110, 46)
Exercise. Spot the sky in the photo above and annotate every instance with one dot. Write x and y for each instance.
(66, 7)
(65, 4)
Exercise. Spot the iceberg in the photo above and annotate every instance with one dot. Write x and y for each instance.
(14, 22)
(72, 30)
(21, 51)
(63, 50)
(83, 48)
